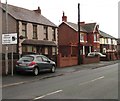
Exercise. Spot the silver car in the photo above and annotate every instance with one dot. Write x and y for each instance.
(96, 53)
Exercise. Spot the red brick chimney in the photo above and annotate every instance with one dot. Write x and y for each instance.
(64, 18)
(82, 23)
(38, 10)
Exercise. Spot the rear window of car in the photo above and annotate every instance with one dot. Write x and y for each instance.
(27, 59)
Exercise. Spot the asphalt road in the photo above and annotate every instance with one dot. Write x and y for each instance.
(99, 83)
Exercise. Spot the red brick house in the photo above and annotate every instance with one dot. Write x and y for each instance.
(68, 39)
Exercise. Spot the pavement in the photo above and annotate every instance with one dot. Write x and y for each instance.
(16, 79)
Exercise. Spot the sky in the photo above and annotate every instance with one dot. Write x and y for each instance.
(103, 12)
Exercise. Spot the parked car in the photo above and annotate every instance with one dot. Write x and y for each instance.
(35, 64)
(96, 53)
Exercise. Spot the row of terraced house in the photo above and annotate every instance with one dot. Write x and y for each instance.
(37, 34)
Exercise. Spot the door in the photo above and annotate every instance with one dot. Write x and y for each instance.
(46, 63)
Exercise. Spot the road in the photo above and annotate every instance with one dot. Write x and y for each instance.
(99, 83)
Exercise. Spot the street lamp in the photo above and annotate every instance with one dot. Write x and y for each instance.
(6, 53)
(79, 57)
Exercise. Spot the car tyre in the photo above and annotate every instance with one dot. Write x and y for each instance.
(53, 69)
(35, 71)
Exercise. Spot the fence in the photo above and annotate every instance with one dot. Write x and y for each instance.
(9, 66)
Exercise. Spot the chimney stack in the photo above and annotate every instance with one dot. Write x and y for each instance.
(64, 18)
(38, 10)
(82, 23)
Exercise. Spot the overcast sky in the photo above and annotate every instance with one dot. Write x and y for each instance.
(103, 12)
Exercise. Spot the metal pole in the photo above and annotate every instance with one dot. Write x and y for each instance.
(12, 61)
(79, 59)
(6, 54)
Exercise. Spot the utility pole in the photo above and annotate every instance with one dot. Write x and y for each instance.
(79, 57)
(6, 54)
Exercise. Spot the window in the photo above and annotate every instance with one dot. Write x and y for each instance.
(44, 58)
(111, 41)
(106, 40)
(38, 58)
(98, 39)
(34, 31)
(53, 50)
(24, 30)
(82, 37)
(24, 49)
(46, 32)
(46, 51)
(30, 49)
(95, 37)
(53, 33)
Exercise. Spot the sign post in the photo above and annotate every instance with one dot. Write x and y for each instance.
(10, 39)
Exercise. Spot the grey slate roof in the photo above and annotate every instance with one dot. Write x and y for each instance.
(106, 35)
(85, 27)
(75, 26)
(27, 15)
(89, 27)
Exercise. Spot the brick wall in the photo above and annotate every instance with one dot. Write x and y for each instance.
(88, 60)
(66, 35)
(66, 61)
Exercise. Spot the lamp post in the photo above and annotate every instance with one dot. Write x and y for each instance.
(79, 58)
(6, 53)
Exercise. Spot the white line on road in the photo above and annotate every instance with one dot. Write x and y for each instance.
(91, 80)
(13, 84)
(47, 94)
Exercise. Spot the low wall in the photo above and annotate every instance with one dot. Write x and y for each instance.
(66, 61)
(88, 60)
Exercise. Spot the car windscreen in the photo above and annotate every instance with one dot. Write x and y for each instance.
(26, 59)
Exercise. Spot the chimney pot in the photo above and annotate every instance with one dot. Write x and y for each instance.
(64, 18)
(38, 10)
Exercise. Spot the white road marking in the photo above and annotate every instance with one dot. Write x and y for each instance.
(11, 84)
(47, 94)
(91, 80)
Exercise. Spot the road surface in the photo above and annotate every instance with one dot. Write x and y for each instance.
(99, 83)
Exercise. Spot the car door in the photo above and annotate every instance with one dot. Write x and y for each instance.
(46, 62)
(40, 62)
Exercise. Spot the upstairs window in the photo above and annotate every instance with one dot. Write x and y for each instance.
(95, 37)
(24, 30)
(54, 34)
(34, 31)
(82, 37)
(46, 32)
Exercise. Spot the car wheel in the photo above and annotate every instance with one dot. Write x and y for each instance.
(53, 69)
(36, 71)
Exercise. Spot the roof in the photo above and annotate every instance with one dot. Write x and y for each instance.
(27, 15)
(103, 34)
(75, 26)
(89, 27)
(118, 41)
(84, 27)
(38, 42)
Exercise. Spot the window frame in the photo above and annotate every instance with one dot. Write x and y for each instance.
(45, 32)
(24, 30)
(35, 32)
(54, 34)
